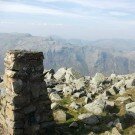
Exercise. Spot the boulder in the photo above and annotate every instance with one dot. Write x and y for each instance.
(54, 106)
(113, 90)
(122, 91)
(73, 125)
(89, 118)
(130, 109)
(60, 74)
(96, 107)
(67, 91)
(98, 78)
(55, 97)
(79, 94)
(120, 84)
(71, 75)
(60, 116)
(130, 83)
(115, 131)
(87, 100)
(124, 99)
(80, 83)
(48, 74)
(74, 106)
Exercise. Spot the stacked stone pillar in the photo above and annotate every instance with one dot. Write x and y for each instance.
(26, 103)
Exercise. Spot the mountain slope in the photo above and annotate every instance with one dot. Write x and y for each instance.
(88, 57)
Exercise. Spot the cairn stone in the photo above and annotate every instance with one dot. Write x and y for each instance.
(25, 107)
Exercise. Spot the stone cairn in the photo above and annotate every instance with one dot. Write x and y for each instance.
(25, 107)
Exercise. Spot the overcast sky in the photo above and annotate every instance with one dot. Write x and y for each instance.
(85, 19)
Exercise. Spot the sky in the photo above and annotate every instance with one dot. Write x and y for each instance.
(81, 19)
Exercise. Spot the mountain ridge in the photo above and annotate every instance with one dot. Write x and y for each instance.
(106, 55)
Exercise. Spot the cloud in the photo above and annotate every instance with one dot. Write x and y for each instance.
(30, 9)
(116, 13)
(6, 22)
(101, 4)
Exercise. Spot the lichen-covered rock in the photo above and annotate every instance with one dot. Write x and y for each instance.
(60, 116)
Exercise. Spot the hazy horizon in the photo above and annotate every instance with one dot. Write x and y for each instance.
(71, 19)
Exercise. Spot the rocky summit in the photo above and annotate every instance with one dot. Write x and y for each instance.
(81, 105)
(84, 105)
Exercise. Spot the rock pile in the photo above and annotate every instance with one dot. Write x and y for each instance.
(25, 105)
(96, 101)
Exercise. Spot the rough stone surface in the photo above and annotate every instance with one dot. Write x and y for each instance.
(25, 104)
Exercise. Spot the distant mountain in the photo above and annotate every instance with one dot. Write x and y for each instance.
(106, 56)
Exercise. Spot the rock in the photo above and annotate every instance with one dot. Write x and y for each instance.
(79, 94)
(54, 106)
(73, 125)
(49, 74)
(130, 109)
(122, 91)
(106, 133)
(96, 129)
(60, 116)
(60, 74)
(113, 90)
(87, 100)
(124, 99)
(113, 77)
(98, 78)
(55, 97)
(115, 131)
(96, 107)
(130, 83)
(50, 83)
(67, 91)
(74, 106)
(89, 118)
(59, 87)
(120, 84)
(110, 124)
(80, 83)
(109, 105)
(71, 75)
(50, 90)
(118, 125)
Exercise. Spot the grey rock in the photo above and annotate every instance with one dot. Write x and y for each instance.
(54, 106)
(130, 109)
(95, 107)
(98, 78)
(60, 116)
(60, 74)
(75, 106)
(73, 125)
(55, 97)
(89, 118)
(67, 91)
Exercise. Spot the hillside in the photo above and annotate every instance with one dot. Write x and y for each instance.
(88, 57)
